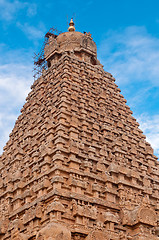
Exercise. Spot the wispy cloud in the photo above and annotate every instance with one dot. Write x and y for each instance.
(31, 9)
(15, 81)
(131, 54)
(32, 32)
(9, 9)
(17, 13)
(150, 127)
(6, 125)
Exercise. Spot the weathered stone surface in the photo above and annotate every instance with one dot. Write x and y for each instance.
(95, 235)
(139, 215)
(76, 166)
(54, 231)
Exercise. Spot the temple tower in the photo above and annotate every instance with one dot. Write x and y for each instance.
(76, 165)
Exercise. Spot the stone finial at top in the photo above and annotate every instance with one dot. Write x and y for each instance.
(71, 26)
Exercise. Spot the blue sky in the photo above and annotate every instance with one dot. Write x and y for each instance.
(127, 36)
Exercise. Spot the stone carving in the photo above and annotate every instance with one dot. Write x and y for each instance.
(54, 231)
(147, 216)
(35, 212)
(111, 217)
(157, 231)
(96, 235)
(55, 209)
(3, 225)
(19, 236)
(139, 215)
(56, 205)
(85, 210)
(129, 198)
(87, 43)
(76, 165)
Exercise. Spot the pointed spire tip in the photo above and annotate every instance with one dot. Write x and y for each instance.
(71, 26)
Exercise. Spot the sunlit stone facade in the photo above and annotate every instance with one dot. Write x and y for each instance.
(76, 166)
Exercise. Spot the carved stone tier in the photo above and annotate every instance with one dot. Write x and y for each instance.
(80, 45)
(76, 166)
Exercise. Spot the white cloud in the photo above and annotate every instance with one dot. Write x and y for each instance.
(9, 9)
(7, 121)
(15, 81)
(32, 32)
(150, 127)
(32, 9)
(131, 55)
(12, 11)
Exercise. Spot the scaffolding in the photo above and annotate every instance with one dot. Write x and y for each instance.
(40, 62)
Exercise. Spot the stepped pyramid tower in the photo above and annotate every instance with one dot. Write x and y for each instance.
(76, 166)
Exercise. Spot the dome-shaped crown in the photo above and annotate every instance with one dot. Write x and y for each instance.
(81, 44)
(70, 41)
